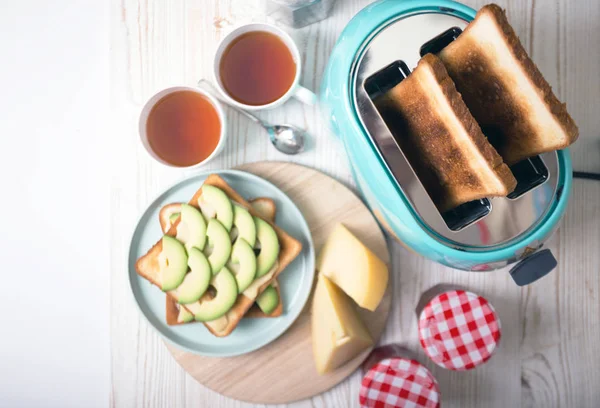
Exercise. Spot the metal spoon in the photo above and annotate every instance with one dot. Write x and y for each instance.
(288, 139)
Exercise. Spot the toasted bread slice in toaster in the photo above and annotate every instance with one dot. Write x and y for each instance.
(441, 139)
(505, 91)
(266, 208)
(147, 266)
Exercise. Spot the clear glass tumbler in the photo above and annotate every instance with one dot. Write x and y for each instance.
(298, 13)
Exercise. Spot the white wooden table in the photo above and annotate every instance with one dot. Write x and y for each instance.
(549, 354)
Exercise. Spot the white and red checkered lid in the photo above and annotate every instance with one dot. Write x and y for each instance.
(399, 382)
(459, 330)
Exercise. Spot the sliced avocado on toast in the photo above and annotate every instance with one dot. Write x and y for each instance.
(214, 203)
(243, 264)
(218, 248)
(215, 307)
(172, 262)
(196, 281)
(226, 293)
(268, 300)
(269, 247)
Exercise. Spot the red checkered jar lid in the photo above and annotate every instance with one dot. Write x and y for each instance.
(399, 382)
(459, 330)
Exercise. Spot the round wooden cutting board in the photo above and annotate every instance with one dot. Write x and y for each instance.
(284, 370)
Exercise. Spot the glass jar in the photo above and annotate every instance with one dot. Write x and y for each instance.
(298, 13)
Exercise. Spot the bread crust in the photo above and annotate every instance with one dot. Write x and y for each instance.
(147, 266)
(442, 164)
(166, 212)
(487, 92)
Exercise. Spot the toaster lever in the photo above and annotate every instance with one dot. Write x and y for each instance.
(533, 267)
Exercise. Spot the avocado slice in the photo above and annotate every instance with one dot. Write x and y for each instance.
(214, 203)
(172, 262)
(196, 281)
(173, 217)
(269, 247)
(226, 295)
(268, 300)
(243, 264)
(246, 228)
(191, 229)
(218, 248)
(184, 316)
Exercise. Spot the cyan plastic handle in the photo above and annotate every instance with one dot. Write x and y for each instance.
(533, 267)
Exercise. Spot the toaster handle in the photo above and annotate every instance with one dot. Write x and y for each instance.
(533, 267)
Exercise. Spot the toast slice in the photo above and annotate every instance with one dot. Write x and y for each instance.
(267, 209)
(147, 266)
(441, 139)
(505, 91)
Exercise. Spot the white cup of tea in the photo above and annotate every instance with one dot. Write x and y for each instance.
(252, 68)
(182, 127)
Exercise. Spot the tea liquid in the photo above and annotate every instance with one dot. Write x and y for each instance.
(183, 128)
(257, 68)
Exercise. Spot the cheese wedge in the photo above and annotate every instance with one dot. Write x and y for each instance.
(338, 334)
(354, 268)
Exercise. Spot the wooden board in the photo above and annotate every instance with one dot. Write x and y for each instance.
(284, 370)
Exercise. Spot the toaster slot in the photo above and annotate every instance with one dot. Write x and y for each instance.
(477, 225)
(383, 81)
(386, 79)
(466, 214)
(438, 43)
(529, 173)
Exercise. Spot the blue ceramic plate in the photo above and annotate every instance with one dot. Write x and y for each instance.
(251, 333)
